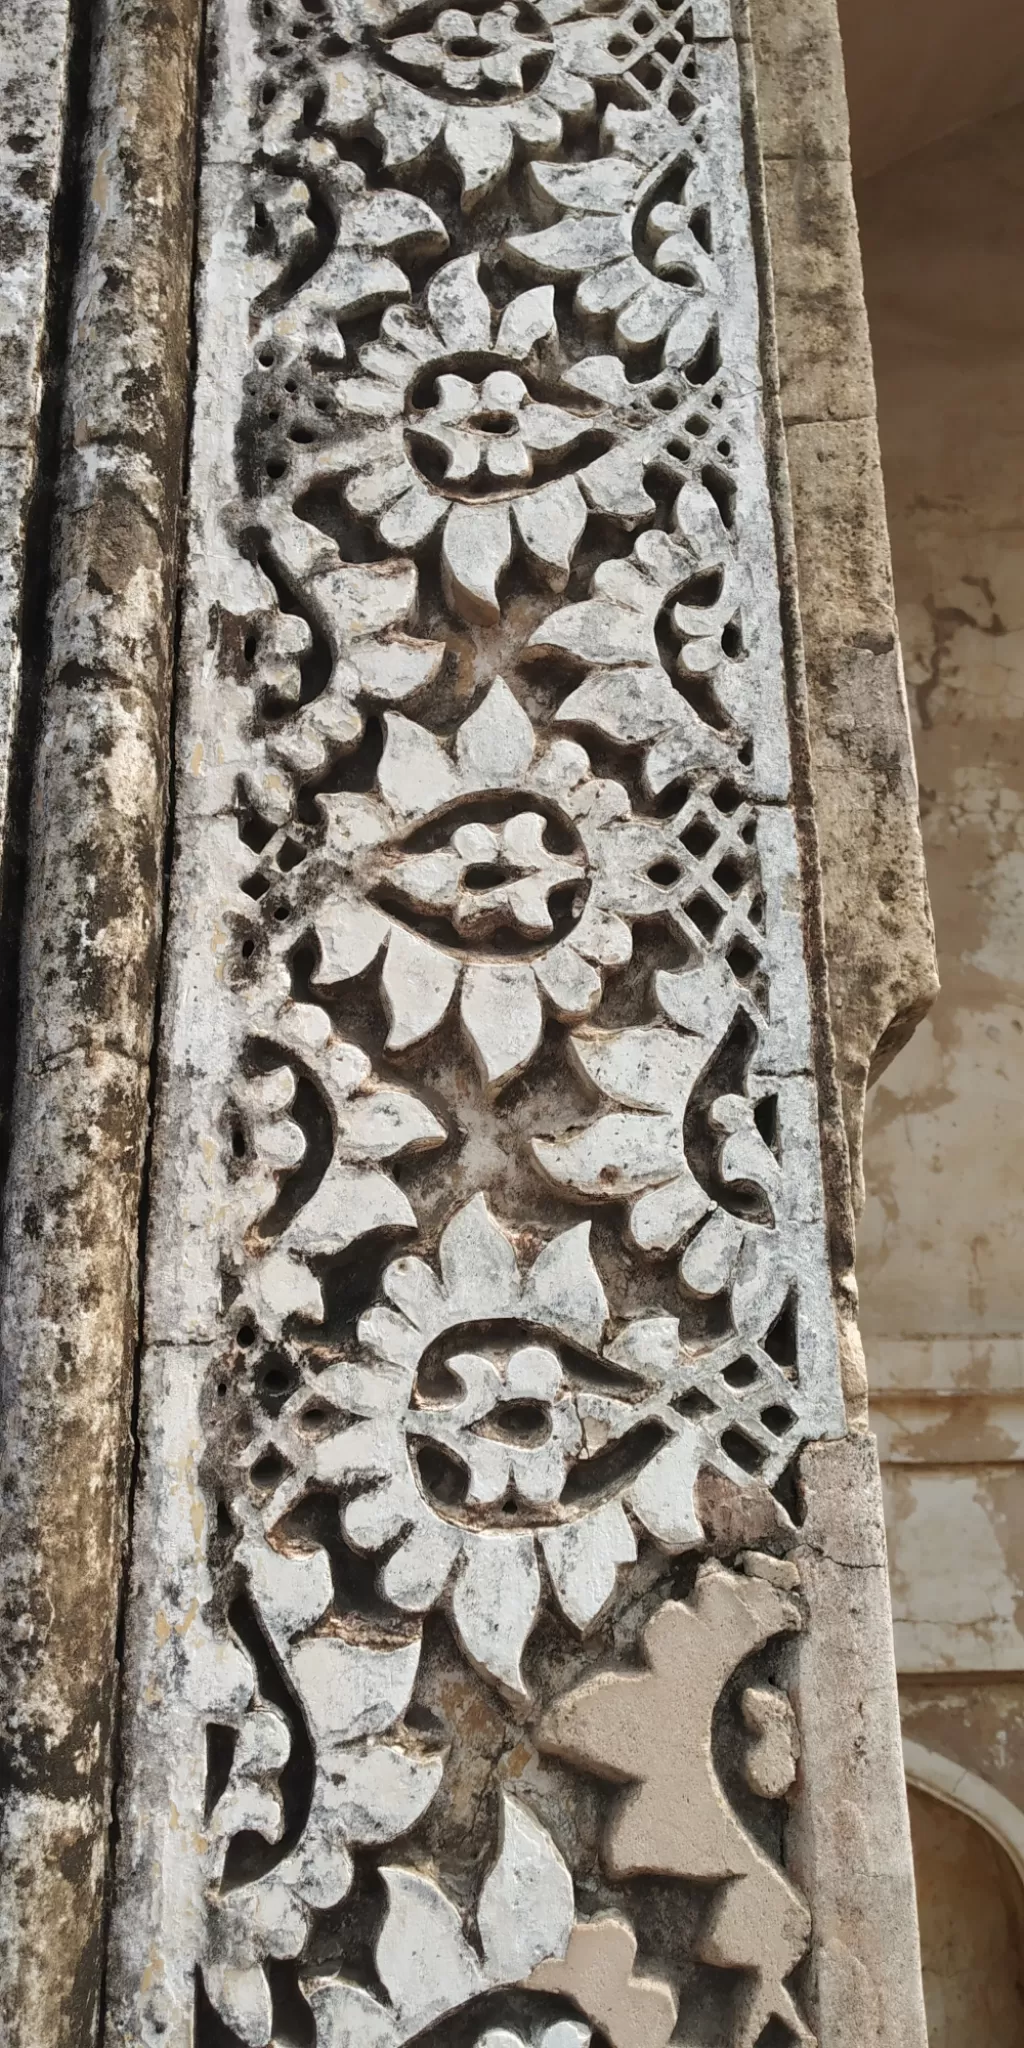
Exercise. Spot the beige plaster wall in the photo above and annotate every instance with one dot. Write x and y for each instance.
(940, 1263)
(971, 1908)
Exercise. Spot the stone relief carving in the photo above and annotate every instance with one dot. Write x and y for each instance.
(489, 1209)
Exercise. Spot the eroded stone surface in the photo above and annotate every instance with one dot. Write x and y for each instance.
(488, 1210)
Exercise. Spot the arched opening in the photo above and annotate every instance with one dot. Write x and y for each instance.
(971, 1909)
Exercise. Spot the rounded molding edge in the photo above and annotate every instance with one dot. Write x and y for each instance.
(927, 1771)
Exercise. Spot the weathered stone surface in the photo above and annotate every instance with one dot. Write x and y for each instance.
(34, 46)
(88, 977)
(488, 1213)
(881, 964)
(848, 1837)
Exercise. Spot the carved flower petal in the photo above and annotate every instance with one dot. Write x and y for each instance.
(343, 2014)
(418, 982)
(417, 1573)
(350, 1203)
(550, 523)
(351, 935)
(415, 774)
(563, 1288)
(407, 523)
(494, 1605)
(628, 705)
(423, 1958)
(584, 1557)
(572, 984)
(241, 1998)
(479, 142)
(495, 746)
(376, 1794)
(478, 1265)
(502, 1017)
(525, 1912)
(707, 1263)
(662, 1497)
(475, 552)
(614, 1157)
(526, 321)
(458, 305)
(406, 121)
(662, 1216)
(647, 1067)
(352, 1689)
(573, 247)
(290, 1589)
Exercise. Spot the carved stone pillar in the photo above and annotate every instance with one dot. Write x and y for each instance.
(486, 1686)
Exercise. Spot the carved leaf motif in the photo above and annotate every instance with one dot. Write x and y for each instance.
(651, 1731)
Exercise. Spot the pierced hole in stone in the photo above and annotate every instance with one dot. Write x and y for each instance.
(436, 1384)
(732, 640)
(789, 1494)
(254, 832)
(749, 831)
(275, 1377)
(221, 1743)
(741, 1373)
(747, 1455)
(443, 1477)
(777, 1418)
(781, 1341)
(766, 1117)
(516, 1422)
(643, 24)
(674, 797)
(722, 489)
(702, 591)
(700, 228)
(249, 646)
(694, 1403)
(756, 912)
(269, 1471)
(708, 360)
(729, 874)
(648, 73)
(322, 1419)
(679, 450)
(666, 399)
(255, 886)
(611, 1468)
(681, 103)
(247, 948)
(245, 1335)
(238, 1145)
(224, 1524)
(290, 853)
(664, 873)
(249, 1855)
(669, 47)
(742, 958)
(620, 46)
(696, 426)
(275, 467)
(746, 753)
(699, 837)
(484, 875)
(282, 911)
(726, 797)
(301, 434)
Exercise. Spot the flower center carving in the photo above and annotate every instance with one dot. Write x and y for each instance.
(476, 59)
(494, 878)
(487, 436)
(494, 1433)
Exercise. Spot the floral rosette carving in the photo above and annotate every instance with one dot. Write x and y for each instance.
(463, 426)
(479, 1426)
(480, 85)
(518, 834)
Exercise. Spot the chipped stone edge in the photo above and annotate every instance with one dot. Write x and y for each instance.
(880, 939)
(89, 964)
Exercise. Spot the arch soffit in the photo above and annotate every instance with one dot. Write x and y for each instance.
(970, 1794)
